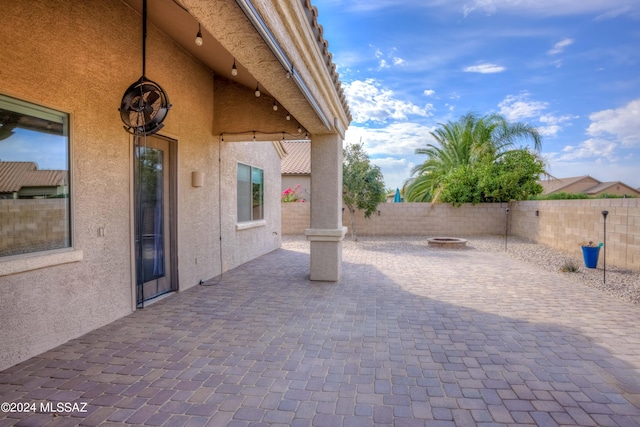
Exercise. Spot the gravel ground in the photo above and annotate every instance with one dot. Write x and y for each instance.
(620, 283)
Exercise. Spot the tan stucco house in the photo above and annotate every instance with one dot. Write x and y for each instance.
(146, 211)
(587, 185)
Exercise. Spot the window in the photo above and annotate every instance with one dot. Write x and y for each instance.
(250, 193)
(34, 178)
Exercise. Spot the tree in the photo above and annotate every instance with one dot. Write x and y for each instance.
(514, 176)
(461, 146)
(362, 184)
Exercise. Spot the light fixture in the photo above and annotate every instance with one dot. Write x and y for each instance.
(288, 117)
(199, 37)
(299, 129)
(234, 70)
(254, 136)
(257, 92)
(275, 106)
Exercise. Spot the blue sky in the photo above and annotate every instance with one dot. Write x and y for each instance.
(569, 67)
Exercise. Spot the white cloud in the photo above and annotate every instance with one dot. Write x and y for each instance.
(551, 124)
(393, 148)
(394, 170)
(603, 154)
(485, 68)
(589, 149)
(611, 14)
(518, 107)
(385, 60)
(396, 139)
(369, 102)
(550, 7)
(429, 92)
(622, 124)
(559, 47)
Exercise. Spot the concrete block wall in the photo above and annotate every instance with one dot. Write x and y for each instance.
(425, 219)
(33, 223)
(296, 217)
(409, 219)
(564, 224)
(560, 224)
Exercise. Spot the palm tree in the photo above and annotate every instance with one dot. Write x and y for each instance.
(463, 143)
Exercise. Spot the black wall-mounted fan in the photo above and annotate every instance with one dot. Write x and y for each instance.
(144, 104)
(144, 107)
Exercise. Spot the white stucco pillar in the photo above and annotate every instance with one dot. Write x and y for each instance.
(326, 232)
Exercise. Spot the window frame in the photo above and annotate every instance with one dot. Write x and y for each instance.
(40, 258)
(252, 221)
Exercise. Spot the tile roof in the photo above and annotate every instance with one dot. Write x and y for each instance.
(318, 31)
(15, 175)
(298, 159)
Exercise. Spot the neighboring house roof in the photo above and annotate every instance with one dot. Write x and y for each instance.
(298, 159)
(585, 184)
(16, 175)
(555, 185)
(605, 187)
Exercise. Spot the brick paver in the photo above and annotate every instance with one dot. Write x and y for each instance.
(410, 336)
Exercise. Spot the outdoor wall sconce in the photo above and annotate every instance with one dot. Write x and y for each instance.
(197, 179)
(257, 92)
(537, 213)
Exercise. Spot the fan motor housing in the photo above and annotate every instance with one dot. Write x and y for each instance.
(144, 107)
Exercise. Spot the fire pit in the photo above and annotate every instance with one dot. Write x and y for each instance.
(447, 242)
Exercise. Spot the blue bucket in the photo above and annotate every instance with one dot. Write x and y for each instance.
(590, 255)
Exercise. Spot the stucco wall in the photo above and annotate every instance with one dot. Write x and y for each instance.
(242, 242)
(79, 57)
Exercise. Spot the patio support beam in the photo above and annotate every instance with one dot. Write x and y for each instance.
(326, 232)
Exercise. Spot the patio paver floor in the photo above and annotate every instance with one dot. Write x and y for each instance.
(410, 336)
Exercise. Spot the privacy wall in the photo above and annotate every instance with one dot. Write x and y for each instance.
(560, 224)
(564, 224)
(410, 219)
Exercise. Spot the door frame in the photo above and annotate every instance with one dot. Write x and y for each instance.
(171, 262)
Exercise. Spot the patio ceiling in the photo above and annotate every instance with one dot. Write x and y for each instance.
(227, 35)
(172, 18)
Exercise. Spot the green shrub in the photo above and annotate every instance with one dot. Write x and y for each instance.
(569, 266)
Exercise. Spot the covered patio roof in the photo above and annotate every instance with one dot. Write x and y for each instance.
(279, 48)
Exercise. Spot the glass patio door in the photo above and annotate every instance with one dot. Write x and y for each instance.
(153, 218)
